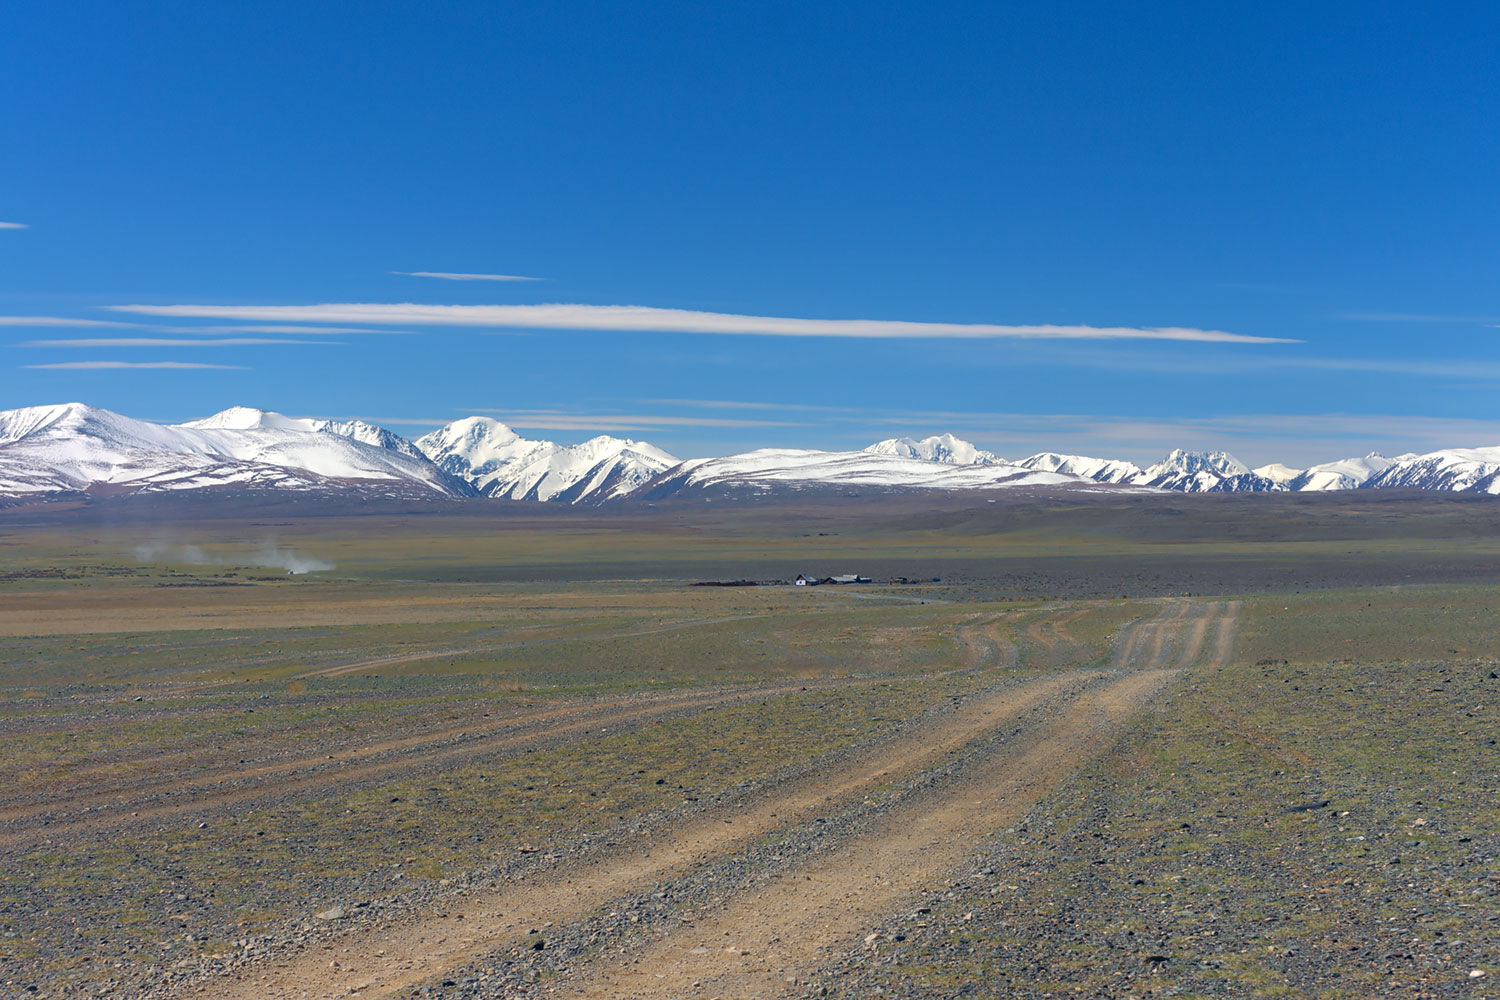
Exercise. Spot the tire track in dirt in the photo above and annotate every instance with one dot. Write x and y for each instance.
(387, 961)
(1192, 646)
(1224, 643)
(983, 644)
(274, 780)
(781, 927)
(147, 788)
(1163, 631)
(438, 654)
(1133, 635)
(1050, 636)
(777, 931)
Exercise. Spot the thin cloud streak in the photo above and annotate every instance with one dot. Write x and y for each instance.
(61, 321)
(14, 225)
(107, 365)
(558, 420)
(722, 404)
(1418, 318)
(1187, 364)
(463, 276)
(648, 319)
(272, 329)
(163, 342)
(729, 404)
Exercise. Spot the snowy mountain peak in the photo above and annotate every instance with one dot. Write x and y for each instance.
(478, 439)
(1101, 470)
(17, 424)
(1192, 462)
(244, 418)
(1278, 473)
(73, 448)
(944, 448)
(498, 462)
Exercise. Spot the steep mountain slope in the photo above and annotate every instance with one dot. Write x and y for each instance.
(1471, 470)
(1278, 473)
(498, 462)
(73, 447)
(1345, 474)
(1205, 472)
(1101, 470)
(246, 418)
(943, 448)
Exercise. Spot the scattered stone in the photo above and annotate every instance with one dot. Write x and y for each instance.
(1309, 806)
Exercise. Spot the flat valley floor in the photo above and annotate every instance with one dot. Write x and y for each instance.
(1214, 747)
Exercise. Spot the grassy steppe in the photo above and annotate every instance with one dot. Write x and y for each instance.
(1361, 676)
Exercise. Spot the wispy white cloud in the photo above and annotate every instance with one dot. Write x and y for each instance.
(1419, 318)
(720, 404)
(270, 329)
(464, 276)
(561, 420)
(165, 342)
(1195, 363)
(648, 319)
(14, 225)
(60, 321)
(730, 404)
(105, 365)
(1437, 369)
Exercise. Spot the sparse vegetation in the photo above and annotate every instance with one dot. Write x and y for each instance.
(191, 773)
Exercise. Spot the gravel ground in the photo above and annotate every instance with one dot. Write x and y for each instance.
(1201, 862)
(626, 924)
(143, 965)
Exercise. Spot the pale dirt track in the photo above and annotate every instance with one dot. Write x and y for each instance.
(756, 940)
(762, 939)
(375, 663)
(389, 961)
(479, 738)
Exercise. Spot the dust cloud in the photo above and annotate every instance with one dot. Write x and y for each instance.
(268, 555)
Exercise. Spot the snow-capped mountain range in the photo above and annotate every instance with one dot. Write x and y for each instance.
(944, 448)
(764, 470)
(75, 448)
(72, 448)
(498, 462)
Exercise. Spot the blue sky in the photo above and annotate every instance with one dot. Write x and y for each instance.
(1304, 196)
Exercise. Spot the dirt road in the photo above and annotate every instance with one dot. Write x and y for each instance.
(136, 801)
(966, 777)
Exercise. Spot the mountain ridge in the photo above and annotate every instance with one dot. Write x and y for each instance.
(75, 448)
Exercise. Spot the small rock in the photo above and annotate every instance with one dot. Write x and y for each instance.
(335, 913)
